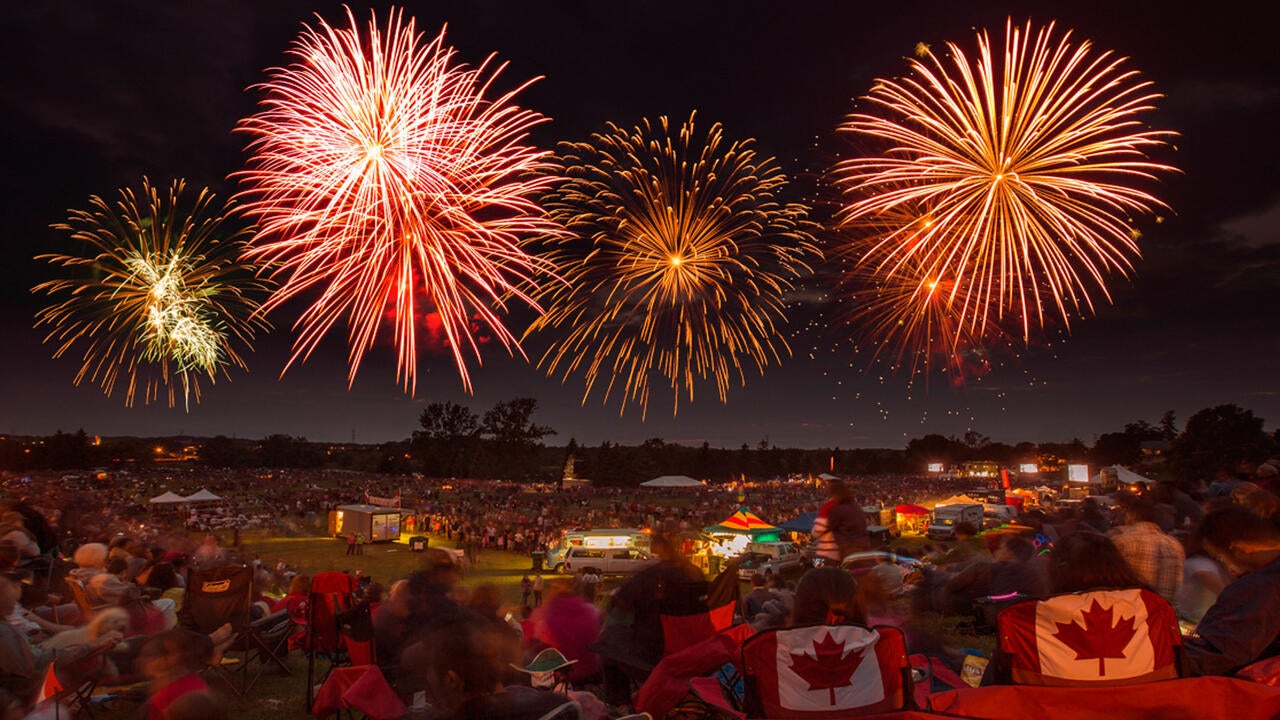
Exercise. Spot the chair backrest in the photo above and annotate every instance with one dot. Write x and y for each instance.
(80, 598)
(682, 631)
(825, 671)
(332, 593)
(355, 628)
(1100, 637)
(216, 596)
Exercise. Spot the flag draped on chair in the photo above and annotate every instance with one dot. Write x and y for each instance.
(826, 671)
(1103, 637)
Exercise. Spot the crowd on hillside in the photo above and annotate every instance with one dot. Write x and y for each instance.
(493, 514)
(1210, 551)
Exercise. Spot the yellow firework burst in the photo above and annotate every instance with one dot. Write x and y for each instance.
(158, 298)
(678, 260)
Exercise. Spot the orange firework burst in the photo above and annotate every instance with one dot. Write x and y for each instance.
(1023, 165)
(383, 173)
(679, 259)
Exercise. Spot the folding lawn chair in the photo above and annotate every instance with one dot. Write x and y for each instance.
(825, 671)
(81, 599)
(332, 594)
(1094, 638)
(220, 595)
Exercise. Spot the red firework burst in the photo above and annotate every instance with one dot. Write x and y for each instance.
(383, 172)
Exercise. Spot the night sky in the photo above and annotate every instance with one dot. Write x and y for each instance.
(98, 94)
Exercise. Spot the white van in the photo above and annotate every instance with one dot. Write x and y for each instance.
(946, 517)
(1003, 513)
(607, 561)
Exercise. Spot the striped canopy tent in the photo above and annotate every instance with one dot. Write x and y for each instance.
(745, 522)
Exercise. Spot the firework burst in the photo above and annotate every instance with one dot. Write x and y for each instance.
(1022, 164)
(157, 299)
(386, 180)
(907, 316)
(677, 263)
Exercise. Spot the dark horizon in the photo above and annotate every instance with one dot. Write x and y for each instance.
(123, 90)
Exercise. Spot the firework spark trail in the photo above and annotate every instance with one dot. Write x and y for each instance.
(907, 316)
(159, 299)
(677, 263)
(382, 171)
(1023, 162)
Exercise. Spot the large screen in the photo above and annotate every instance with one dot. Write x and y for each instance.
(1078, 473)
(1028, 468)
(935, 467)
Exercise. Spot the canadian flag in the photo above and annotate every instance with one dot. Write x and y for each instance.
(1112, 637)
(826, 670)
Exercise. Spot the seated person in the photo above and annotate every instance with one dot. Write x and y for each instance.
(828, 596)
(163, 582)
(1243, 625)
(968, 547)
(100, 666)
(1011, 571)
(1087, 560)
(13, 530)
(460, 664)
(568, 622)
(23, 666)
(753, 602)
(173, 660)
(104, 586)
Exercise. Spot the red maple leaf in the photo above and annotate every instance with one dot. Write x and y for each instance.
(830, 668)
(1098, 638)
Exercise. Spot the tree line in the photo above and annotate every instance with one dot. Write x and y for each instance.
(504, 442)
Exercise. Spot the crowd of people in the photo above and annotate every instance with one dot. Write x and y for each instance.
(454, 650)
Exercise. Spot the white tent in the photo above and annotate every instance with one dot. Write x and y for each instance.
(960, 500)
(202, 496)
(169, 497)
(1123, 474)
(671, 481)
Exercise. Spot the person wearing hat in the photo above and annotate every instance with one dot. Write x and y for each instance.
(547, 670)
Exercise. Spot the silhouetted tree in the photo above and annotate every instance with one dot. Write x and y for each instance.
(1218, 437)
(445, 446)
(513, 438)
(221, 452)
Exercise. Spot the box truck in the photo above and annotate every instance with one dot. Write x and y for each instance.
(376, 523)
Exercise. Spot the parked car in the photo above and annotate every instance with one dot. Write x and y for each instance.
(770, 558)
(607, 561)
(898, 573)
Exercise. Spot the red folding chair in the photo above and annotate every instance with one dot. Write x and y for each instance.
(1097, 638)
(332, 594)
(825, 671)
(682, 631)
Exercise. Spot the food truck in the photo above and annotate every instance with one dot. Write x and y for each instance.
(604, 538)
